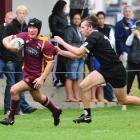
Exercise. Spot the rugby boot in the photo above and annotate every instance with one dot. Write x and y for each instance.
(56, 117)
(7, 121)
(83, 119)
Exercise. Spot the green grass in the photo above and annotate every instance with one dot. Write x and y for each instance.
(109, 123)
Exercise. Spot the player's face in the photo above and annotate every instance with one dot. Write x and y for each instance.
(85, 29)
(32, 31)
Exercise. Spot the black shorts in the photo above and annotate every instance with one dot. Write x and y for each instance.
(115, 75)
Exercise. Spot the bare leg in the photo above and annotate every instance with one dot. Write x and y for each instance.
(68, 87)
(93, 94)
(46, 102)
(124, 99)
(75, 88)
(93, 79)
(15, 92)
(100, 94)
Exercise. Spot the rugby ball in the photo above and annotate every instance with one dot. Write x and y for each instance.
(17, 42)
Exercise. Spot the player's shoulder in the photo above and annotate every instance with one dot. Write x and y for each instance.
(95, 35)
(42, 38)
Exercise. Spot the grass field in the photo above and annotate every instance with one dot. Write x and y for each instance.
(109, 123)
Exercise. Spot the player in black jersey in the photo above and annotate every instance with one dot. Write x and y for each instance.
(111, 69)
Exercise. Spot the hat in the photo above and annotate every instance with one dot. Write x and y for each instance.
(137, 24)
(35, 23)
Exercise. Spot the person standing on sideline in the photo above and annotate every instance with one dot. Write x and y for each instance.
(74, 67)
(15, 60)
(37, 51)
(4, 57)
(122, 31)
(111, 70)
(58, 23)
(133, 65)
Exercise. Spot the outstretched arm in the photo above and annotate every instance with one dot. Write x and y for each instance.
(77, 51)
(67, 54)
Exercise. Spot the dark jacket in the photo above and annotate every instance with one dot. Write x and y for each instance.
(72, 36)
(11, 29)
(105, 30)
(134, 53)
(4, 53)
(122, 31)
(58, 23)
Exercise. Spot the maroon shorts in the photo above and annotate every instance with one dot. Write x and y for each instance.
(29, 82)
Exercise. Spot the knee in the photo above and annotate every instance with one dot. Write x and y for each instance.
(81, 86)
(13, 91)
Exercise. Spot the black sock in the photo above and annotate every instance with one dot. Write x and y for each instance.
(87, 111)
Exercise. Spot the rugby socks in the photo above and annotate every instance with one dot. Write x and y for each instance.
(87, 111)
(48, 103)
(13, 107)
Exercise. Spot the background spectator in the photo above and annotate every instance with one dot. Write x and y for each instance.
(122, 31)
(58, 22)
(133, 41)
(74, 67)
(79, 6)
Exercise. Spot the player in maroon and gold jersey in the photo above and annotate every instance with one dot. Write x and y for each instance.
(37, 52)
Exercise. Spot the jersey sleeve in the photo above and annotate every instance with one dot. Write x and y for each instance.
(49, 51)
(24, 36)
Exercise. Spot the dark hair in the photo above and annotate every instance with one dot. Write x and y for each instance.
(35, 23)
(59, 6)
(100, 13)
(73, 15)
(91, 21)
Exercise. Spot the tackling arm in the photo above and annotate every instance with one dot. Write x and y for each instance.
(76, 51)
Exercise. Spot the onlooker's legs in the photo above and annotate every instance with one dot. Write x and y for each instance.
(130, 77)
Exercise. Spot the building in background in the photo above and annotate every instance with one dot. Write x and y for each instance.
(42, 9)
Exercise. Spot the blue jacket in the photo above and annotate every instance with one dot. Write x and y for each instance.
(122, 31)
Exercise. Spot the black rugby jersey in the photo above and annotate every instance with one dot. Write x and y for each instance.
(100, 47)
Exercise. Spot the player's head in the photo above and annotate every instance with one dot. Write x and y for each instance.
(34, 27)
(88, 25)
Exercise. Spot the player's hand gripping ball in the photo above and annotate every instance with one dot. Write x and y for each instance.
(17, 42)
